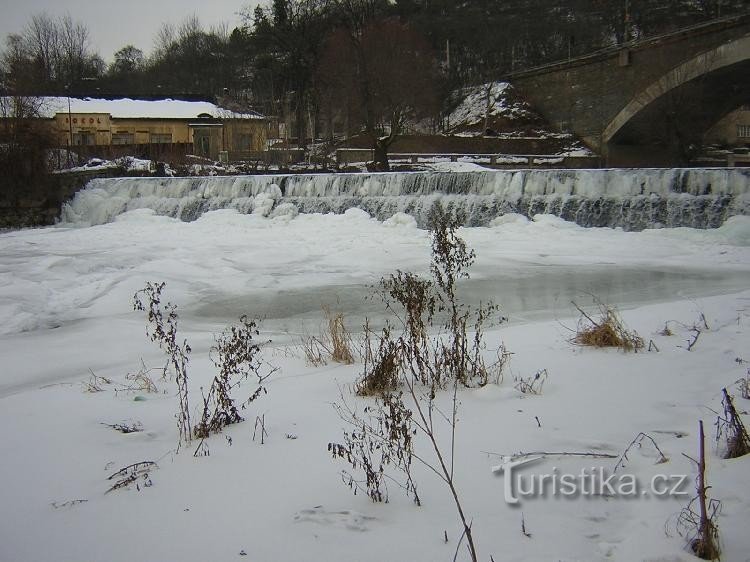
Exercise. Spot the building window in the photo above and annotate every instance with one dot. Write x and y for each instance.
(245, 142)
(743, 131)
(84, 138)
(123, 138)
(161, 138)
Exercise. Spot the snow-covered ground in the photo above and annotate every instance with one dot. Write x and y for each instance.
(66, 311)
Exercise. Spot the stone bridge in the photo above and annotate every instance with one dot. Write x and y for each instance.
(650, 102)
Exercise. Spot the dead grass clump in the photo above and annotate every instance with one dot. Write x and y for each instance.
(608, 331)
(666, 331)
(338, 338)
(334, 343)
(142, 380)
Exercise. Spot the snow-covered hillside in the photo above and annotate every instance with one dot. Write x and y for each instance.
(504, 106)
(496, 109)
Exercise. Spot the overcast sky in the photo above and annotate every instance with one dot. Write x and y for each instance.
(116, 23)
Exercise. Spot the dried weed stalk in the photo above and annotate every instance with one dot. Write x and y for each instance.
(637, 443)
(161, 327)
(314, 352)
(337, 338)
(95, 383)
(133, 427)
(698, 524)
(532, 385)
(731, 430)
(138, 473)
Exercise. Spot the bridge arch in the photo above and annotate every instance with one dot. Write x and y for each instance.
(725, 55)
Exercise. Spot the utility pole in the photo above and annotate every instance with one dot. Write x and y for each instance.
(627, 21)
(70, 126)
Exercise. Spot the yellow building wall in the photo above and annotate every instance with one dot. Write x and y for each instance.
(96, 124)
(234, 130)
(142, 129)
(232, 135)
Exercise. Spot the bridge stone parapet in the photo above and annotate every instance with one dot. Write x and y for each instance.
(644, 103)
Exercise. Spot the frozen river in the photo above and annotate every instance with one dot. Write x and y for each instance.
(539, 293)
(69, 290)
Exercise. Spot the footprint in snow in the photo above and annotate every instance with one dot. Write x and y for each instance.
(345, 518)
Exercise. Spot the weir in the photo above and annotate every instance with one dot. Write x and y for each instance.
(632, 199)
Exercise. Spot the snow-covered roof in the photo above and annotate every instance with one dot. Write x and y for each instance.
(146, 109)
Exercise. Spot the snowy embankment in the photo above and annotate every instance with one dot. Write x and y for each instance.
(65, 305)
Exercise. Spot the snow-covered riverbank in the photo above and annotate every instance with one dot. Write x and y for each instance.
(65, 306)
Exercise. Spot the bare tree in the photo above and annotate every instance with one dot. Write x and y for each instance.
(388, 79)
(51, 55)
(24, 143)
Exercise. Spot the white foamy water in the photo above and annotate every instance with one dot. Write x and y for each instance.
(631, 199)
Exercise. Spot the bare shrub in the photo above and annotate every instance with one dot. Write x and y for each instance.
(382, 366)
(381, 437)
(608, 331)
(428, 355)
(452, 354)
(236, 355)
(161, 327)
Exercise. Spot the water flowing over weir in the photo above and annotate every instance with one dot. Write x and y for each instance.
(632, 199)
